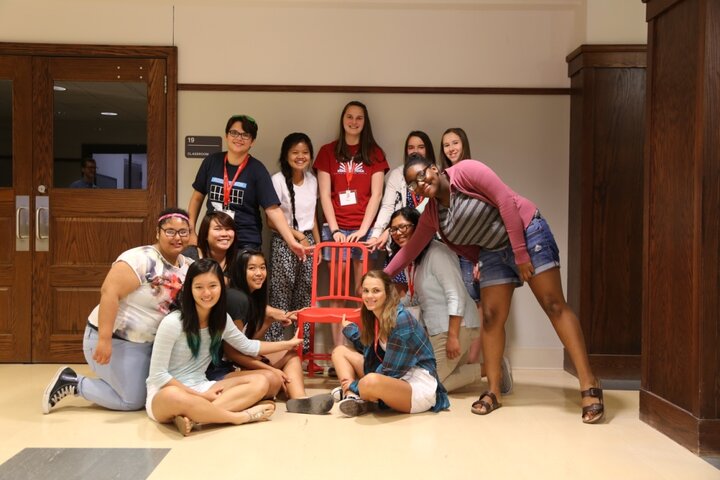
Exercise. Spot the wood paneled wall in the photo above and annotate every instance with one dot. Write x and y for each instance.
(680, 393)
(605, 207)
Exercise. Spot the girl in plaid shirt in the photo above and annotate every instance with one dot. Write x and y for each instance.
(396, 367)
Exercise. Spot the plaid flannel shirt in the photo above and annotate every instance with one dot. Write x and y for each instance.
(407, 346)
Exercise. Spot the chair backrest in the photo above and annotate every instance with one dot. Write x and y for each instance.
(339, 271)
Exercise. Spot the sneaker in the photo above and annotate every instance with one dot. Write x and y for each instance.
(352, 407)
(506, 383)
(337, 394)
(315, 405)
(63, 383)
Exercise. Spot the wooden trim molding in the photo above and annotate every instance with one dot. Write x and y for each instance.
(208, 87)
(609, 56)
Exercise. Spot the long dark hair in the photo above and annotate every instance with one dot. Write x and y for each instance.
(429, 150)
(464, 155)
(413, 216)
(289, 142)
(188, 310)
(227, 222)
(257, 299)
(367, 140)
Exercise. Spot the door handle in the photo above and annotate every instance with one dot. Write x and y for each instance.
(22, 223)
(18, 222)
(39, 223)
(42, 223)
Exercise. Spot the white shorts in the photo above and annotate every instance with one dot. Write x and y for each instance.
(423, 387)
(152, 391)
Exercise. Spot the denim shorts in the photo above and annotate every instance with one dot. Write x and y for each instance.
(497, 267)
(471, 285)
(326, 237)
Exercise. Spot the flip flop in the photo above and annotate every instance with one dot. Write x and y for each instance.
(315, 405)
(480, 403)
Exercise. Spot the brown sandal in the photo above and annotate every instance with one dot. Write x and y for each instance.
(596, 409)
(480, 403)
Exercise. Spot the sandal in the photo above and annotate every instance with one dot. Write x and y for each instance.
(183, 424)
(260, 412)
(480, 403)
(597, 410)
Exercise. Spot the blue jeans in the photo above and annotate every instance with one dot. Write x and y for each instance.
(466, 269)
(121, 383)
(356, 252)
(497, 267)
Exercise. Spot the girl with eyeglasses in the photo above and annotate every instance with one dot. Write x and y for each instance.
(448, 313)
(238, 184)
(248, 307)
(351, 172)
(187, 341)
(137, 293)
(392, 363)
(480, 217)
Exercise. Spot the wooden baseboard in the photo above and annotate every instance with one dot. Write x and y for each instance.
(700, 436)
(612, 367)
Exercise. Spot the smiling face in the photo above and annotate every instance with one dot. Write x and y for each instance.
(206, 291)
(401, 230)
(353, 121)
(426, 178)
(299, 157)
(452, 147)
(171, 246)
(256, 272)
(373, 294)
(416, 145)
(220, 237)
(238, 145)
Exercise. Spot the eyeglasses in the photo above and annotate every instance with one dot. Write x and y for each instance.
(242, 135)
(171, 232)
(419, 178)
(401, 228)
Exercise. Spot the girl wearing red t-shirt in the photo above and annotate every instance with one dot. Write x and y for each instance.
(350, 173)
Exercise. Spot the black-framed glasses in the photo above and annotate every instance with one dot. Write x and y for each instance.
(242, 135)
(400, 228)
(419, 178)
(171, 232)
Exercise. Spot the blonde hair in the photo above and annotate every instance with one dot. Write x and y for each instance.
(388, 315)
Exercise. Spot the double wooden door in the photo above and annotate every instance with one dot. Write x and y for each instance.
(57, 242)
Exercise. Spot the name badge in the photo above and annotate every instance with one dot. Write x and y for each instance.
(348, 197)
(219, 207)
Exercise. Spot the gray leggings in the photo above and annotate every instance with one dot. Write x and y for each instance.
(121, 383)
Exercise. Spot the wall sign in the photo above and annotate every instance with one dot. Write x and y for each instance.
(200, 146)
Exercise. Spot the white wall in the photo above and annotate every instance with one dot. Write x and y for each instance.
(474, 43)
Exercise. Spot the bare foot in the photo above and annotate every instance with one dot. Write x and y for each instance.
(260, 412)
(184, 425)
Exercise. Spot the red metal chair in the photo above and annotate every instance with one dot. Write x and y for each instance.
(339, 288)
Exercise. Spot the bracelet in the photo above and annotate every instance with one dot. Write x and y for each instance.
(332, 234)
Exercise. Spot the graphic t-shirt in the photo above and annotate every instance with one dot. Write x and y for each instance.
(140, 312)
(352, 176)
(252, 189)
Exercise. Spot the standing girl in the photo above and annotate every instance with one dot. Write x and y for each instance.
(350, 173)
(296, 187)
(396, 194)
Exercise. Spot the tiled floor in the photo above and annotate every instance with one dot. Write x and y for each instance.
(537, 434)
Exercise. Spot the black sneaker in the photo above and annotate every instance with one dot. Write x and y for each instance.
(353, 406)
(63, 383)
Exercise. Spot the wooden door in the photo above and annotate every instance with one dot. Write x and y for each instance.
(16, 232)
(82, 230)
